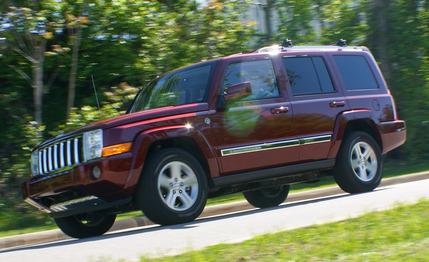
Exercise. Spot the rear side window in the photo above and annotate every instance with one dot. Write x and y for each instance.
(308, 75)
(355, 72)
(259, 73)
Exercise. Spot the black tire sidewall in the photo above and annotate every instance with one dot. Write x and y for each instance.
(73, 227)
(148, 198)
(258, 198)
(344, 173)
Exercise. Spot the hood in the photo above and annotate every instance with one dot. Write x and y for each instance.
(131, 118)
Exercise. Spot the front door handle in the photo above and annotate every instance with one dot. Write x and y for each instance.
(337, 103)
(279, 110)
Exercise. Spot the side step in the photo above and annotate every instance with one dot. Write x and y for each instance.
(275, 172)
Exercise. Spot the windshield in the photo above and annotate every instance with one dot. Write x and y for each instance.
(181, 87)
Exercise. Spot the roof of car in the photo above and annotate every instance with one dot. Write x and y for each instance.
(274, 49)
(322, 48)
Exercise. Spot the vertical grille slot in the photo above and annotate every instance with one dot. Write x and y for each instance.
(76, 150)
(45, 161)
(49, 158)
(55, 157)
(40, 163)
(62, 161)
(68, 153)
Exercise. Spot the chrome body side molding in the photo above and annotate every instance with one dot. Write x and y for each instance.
(276, 145)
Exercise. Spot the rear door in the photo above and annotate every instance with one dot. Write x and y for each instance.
(316, 102)
(255, 132)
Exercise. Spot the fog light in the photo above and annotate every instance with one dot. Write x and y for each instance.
(96, 172)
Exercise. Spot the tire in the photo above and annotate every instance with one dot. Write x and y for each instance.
(359, 172)
(170, 197)
(267, 197)
(85, 225)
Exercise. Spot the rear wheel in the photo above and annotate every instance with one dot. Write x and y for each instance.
(85, 225)
(267, 197)
(359, 164)
(173, 187)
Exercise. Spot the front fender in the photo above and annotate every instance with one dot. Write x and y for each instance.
(145, 139)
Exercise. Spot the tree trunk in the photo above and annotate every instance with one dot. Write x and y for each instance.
(39, 57)
(380, 35)
(268, 21)
(320, 23)
(73, 70)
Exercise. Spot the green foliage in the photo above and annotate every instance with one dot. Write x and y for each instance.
(14, 165)
(295, 19)
(116, 98)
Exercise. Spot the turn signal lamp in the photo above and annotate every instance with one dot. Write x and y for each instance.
(116, 149)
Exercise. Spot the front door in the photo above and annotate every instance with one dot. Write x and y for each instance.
(255, 132)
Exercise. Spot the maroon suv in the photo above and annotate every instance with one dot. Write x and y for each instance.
(252, 123)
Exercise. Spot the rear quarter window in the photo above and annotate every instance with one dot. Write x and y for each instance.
(355, 72)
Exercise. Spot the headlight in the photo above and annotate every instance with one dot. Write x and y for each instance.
(35, 163)
(92, 144)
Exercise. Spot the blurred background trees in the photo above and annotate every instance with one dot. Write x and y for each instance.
(50, 50)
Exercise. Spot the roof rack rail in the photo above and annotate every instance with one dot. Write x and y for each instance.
(342, 42)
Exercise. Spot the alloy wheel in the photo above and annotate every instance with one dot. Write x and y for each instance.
(364, 161)
(178, 186)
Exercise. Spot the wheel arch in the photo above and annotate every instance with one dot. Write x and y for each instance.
(350, 121)
(187, 144)
(190, 140)
(365, 125)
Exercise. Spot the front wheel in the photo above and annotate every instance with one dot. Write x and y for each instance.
(267, 197)
(173, 187)
(85, 225)
(359, 164)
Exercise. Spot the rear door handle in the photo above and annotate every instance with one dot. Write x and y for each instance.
(279, 110)
(337, 103)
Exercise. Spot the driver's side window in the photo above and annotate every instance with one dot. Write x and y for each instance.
(259, 73)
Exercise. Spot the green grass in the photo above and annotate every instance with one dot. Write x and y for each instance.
(10, 228)
(26, 230)
(400, 234)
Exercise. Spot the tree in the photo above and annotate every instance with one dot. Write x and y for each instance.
(268, 11)
(26, 31)
(26, 34)
(296, 17)
(379, 36)
(75, 26)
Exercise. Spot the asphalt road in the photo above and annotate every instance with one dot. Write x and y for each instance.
(228, 228)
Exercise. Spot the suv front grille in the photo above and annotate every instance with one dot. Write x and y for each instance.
(60, 156)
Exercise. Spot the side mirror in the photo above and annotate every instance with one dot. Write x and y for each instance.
(238, 91)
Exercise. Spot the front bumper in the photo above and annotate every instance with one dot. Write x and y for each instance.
(80, 205)
(77, 191)
(393, 134)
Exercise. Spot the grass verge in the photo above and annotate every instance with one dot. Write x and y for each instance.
(399, 234)
(8, 228)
